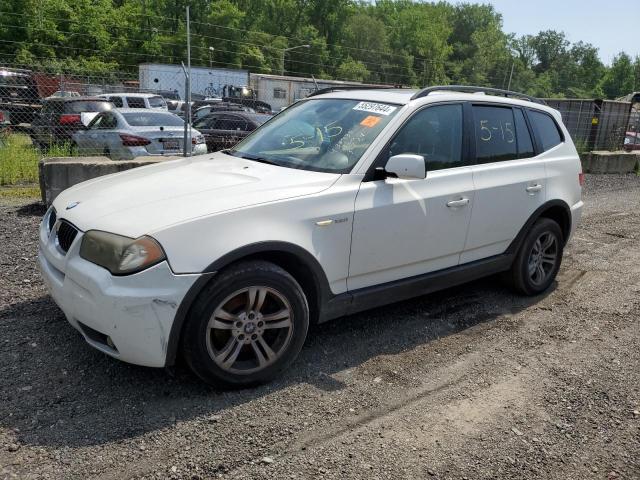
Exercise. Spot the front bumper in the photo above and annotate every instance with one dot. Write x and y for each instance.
(128, 317)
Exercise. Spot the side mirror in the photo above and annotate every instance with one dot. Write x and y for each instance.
(407, 166)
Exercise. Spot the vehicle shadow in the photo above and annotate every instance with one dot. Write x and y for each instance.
(36, 209)
(58, 391)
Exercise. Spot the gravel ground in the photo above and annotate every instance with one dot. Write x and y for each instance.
(470, 383)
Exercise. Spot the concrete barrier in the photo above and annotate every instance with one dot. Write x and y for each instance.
(609, 162)
(59, 173)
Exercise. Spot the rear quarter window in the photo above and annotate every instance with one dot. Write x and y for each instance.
(156, 102)
(545, 129)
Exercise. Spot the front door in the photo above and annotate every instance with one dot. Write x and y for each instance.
(404, 228)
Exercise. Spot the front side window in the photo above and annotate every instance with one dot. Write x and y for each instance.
(135, 102)
(322, 134)
(495, 134)
(545, 129)
(435, 133)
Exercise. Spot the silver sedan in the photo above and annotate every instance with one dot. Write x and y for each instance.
(127, 133)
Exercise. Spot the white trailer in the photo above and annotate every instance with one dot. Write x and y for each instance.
(282, 90)
(204, 81)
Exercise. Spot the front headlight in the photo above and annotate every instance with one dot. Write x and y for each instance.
(120, 255)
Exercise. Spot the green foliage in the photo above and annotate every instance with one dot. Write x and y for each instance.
(19, 159)
(388, 41)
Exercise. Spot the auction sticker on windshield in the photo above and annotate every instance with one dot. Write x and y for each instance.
(379, 108)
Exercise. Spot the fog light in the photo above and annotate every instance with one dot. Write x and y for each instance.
(111, 344)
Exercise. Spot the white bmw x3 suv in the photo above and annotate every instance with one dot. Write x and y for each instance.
(345, 201)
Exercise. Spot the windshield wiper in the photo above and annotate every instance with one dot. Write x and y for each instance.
(248, 156)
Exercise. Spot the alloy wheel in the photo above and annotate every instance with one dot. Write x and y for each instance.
(543, 258)
(249, 330)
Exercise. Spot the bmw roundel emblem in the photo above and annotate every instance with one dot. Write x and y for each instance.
(72, 205)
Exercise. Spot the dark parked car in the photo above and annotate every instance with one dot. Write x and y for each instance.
(225, 129)
(60, 118)
(18, 95)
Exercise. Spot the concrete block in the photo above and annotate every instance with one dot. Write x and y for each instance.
(609, 162)
(59, 173)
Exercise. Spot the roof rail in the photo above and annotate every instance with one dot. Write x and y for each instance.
(470, 89)
(339, 88)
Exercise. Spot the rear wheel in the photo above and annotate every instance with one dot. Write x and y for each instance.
(247, 326)
(538, 260)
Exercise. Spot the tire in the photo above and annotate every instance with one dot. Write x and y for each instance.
(538, 259)
(229, 345)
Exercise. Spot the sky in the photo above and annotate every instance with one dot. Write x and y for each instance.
(609, 25)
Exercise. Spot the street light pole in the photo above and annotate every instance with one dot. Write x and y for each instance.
(211, 49)
(285, 50)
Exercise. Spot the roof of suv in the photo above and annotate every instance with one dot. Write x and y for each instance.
(402, 96)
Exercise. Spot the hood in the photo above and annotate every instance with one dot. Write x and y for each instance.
(147, 199)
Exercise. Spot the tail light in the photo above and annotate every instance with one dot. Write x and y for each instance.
(197, 140)
(134, 140)
(581, 178)
(1, 116)
(69, 119)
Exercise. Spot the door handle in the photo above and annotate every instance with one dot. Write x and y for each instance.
(458, 203)
(534, 188)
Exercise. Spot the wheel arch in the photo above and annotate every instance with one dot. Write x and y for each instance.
(556, 210)
(297, 261)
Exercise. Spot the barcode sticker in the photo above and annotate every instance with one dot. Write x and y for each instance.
(379, 108)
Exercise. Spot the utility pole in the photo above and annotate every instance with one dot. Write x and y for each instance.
(187, 149)
(285, 50)
(511, 75)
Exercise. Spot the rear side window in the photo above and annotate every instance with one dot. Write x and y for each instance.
(136, 102)
(435, 133)
(545, 129)
(495, 134)
(117, 101)
(523, 136)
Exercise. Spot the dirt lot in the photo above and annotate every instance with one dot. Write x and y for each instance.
(470, 383)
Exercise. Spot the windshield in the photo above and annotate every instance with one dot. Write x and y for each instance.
(325, 135)
(152, 119)
(88, 106)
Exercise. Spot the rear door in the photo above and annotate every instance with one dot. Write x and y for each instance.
(509, 179)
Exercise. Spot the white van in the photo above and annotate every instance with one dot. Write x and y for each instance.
(136, 100)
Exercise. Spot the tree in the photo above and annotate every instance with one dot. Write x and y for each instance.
(619, 79)
(353, 70)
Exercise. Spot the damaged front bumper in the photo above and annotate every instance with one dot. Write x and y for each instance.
(127, 317)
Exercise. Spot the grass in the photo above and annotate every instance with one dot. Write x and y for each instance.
(19, 159)
(20, 192)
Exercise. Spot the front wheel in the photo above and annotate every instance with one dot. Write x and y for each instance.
(538, 260)
(246, 326)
